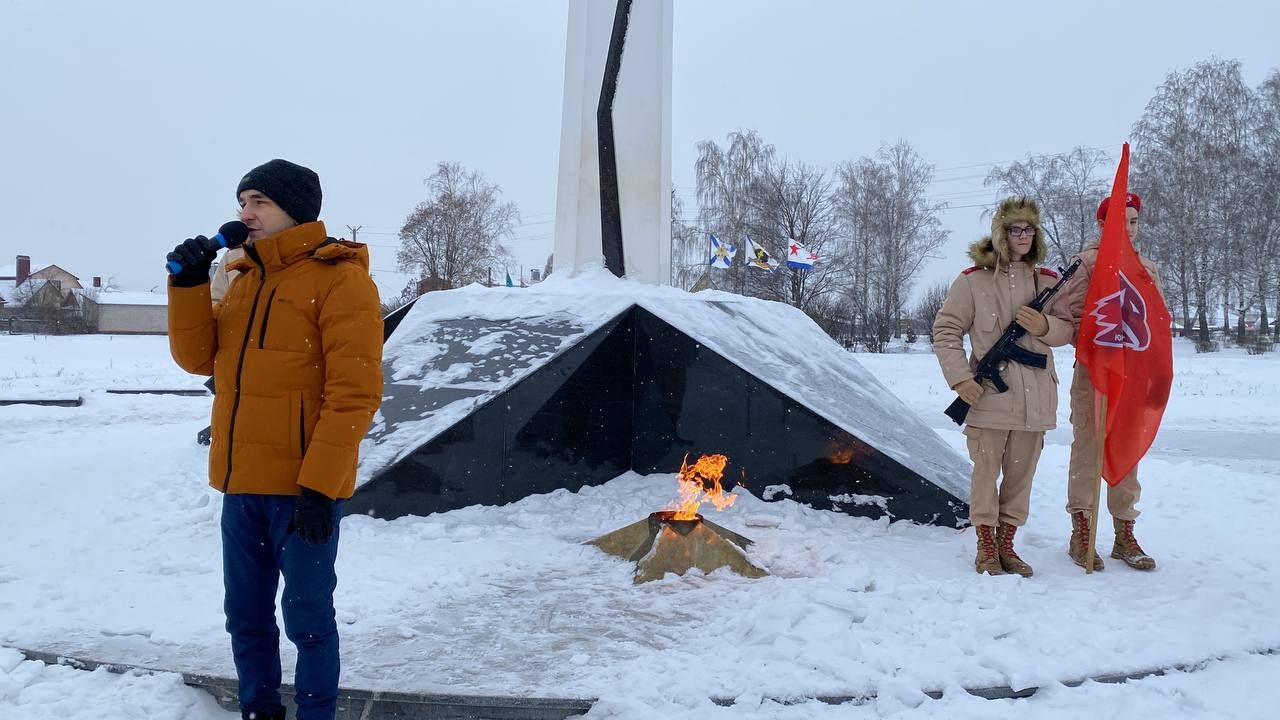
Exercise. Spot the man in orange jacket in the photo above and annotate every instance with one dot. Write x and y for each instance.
(296, 348)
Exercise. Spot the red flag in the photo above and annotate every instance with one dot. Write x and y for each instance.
(1125, 340)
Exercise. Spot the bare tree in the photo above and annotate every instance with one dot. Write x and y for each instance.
(914, 228)
(1265, 206)
(725, 178)
(1190, 163)
(891, 228)
(455, 236)
(858, 204)
(1067, 187)
(930, 304)
(834, 314)
(689, 255)
(791, 202)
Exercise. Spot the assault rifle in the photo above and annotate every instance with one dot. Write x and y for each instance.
(1008, 350)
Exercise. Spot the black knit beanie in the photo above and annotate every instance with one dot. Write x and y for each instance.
(294, 188)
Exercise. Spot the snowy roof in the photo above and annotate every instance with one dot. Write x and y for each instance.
(118, 297)
(7, 293)
(444, 351)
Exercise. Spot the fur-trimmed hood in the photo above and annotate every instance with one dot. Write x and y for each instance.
(993, 250)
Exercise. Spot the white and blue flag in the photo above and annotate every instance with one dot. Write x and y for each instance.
(722, 253)
(799, 256)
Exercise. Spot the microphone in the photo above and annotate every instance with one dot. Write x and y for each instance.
(230, 235)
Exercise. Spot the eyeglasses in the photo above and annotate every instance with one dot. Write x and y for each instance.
(1016, 230)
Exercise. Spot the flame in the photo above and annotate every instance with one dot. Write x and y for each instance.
(846, 449)
(699, 483)
(841, 455)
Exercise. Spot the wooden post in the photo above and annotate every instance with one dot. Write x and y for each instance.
(1100, 434)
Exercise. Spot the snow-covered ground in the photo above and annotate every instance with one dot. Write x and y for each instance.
(110, 541)
(1236, 688)
(35, 691)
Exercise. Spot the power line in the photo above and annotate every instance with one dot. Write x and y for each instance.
(513, 227)
(1041, 155)
(692, 194)
(550, 219)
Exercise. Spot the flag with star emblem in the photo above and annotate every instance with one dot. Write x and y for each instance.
(799, 256)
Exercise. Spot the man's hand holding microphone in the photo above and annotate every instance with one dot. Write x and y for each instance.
(190, 260)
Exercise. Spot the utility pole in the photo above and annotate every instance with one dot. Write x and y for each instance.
(354, 229)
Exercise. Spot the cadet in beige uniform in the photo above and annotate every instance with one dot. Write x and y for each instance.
(1083, 475)
(1005, 431)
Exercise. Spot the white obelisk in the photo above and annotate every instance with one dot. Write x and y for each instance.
(642, 136)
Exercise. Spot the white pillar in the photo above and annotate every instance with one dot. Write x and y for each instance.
(642, 136)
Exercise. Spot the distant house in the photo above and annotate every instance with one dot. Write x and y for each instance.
(49, 287)
(40, 294)
(137, 313)
(54, 274)
(47, 298)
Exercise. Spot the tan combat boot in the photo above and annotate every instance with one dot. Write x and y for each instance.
(1081, 538)
(988, 560)
(1009, 559)
(1127, 548)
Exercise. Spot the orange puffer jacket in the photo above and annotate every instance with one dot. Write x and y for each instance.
(295, 348)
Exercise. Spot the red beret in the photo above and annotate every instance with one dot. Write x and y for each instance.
(1130, 200)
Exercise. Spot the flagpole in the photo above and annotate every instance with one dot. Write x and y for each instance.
(1100, 455)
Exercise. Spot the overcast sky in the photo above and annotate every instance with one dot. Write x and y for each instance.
(125, 125)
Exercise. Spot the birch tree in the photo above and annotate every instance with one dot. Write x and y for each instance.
(1189, 165)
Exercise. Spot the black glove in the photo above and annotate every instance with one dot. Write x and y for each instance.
(313, 517)
(196, 258)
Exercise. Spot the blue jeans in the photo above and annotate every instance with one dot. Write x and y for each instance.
(257, 548)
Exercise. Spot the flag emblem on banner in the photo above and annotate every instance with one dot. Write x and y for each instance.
(757, 257)
(1122, 318)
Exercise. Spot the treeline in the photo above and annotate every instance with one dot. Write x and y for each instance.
(1206, 161)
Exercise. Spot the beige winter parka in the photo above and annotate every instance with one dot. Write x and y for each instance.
(982, 302)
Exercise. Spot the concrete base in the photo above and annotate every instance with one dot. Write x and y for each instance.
(374, 705)
(188, 392)
(51, 402)
(363, 704)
